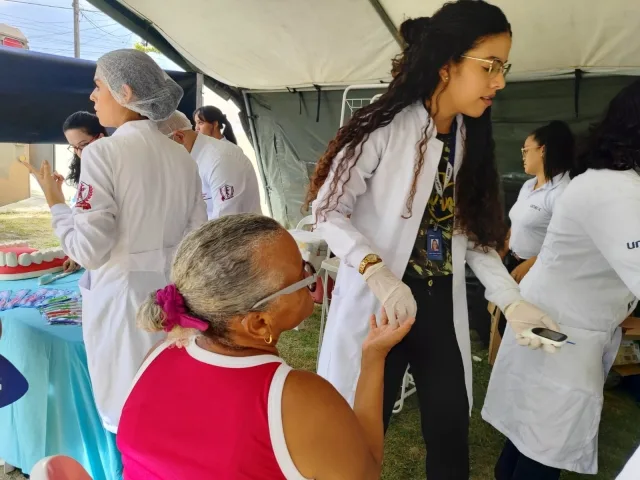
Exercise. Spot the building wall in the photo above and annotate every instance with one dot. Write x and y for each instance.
(14, 178)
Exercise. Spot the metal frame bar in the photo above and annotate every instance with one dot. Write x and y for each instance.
(369, 86)
(199, 88)
(256, 147)
(386, 19)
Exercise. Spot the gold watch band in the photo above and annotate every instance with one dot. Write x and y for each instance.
(367, 261)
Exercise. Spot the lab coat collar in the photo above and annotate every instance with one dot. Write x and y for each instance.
(555, 181)
(423, 114)
(141, 125)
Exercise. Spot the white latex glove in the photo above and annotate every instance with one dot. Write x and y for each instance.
(523, 316)
(395, 296)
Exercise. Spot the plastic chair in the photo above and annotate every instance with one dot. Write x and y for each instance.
(329, 268)
(305, 222)
(407, 389)
(59, 467)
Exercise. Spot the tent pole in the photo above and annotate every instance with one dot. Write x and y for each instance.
(199, 88)
(382, 13)
(256, 147)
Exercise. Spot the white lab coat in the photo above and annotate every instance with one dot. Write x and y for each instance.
(531, 214)
(631, 470)
(229, 181)
(374, 197)
(587, 278)
(139, 194)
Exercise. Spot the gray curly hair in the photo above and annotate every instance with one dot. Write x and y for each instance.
(216, 271)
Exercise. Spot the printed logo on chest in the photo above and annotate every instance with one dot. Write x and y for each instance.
(633, 245)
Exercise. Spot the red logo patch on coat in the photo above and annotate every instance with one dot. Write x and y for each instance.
(85, 192)
(226, 192)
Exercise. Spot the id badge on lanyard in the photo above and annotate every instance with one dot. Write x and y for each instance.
(435, 246)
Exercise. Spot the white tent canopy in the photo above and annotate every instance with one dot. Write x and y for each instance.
(279, 44)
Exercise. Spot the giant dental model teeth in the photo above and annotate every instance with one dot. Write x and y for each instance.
(18, 261)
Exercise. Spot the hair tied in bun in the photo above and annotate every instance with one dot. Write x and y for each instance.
(413, 29)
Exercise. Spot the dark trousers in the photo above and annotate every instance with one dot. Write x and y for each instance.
(432, 351)
(512, 465)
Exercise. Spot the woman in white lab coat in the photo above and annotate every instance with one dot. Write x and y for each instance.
(139, 194)
(80, 129)
(416, 166)
(229, 181)
(587, 277)
(210, 121)
(548, 155)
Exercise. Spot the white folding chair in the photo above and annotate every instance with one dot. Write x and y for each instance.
(302, 224)
(328, 269)
(305, 222)
(407, 389)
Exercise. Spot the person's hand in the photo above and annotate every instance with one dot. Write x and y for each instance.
(384, 336)
(523, 316)
(70, 266)
(50, 182)
(395, 296)
(521, 270)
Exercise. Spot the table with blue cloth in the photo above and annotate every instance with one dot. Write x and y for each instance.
(57, 415)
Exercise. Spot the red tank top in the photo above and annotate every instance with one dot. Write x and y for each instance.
(193, 414)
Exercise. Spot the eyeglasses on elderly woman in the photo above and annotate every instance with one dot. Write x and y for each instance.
(309, 281)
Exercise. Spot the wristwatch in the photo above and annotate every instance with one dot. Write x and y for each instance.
(367, 261)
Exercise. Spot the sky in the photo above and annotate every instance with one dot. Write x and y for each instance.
(49, 28)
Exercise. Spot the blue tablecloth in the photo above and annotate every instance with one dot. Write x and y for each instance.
(58, 414)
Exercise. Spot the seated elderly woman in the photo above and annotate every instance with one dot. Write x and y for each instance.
(215, 400)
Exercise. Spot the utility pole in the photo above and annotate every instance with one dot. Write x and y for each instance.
(76, 28)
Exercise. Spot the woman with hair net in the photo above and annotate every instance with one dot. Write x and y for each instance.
(139, 194)
(229, 181)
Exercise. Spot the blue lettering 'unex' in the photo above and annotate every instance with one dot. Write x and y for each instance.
(632, 245)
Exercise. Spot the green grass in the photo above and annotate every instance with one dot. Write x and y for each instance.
(34, 228)
(404, 449)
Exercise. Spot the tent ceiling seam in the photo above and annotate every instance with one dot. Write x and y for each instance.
(386, 19)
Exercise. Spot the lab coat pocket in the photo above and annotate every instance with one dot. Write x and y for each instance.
(565, 396)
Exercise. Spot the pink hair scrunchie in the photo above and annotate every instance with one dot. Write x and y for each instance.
(171, 302)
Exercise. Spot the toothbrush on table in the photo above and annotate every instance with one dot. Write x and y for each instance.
(50, 277)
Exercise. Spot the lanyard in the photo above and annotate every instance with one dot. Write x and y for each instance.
(451, 162)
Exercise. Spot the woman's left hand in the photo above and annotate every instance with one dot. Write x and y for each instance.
(521, 270)
(50, 182)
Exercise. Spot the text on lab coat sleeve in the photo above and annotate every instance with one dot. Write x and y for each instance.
(87, 233)
(500, 288)
(335, 225)
(614, 228)
(198, 214)
(224, 177)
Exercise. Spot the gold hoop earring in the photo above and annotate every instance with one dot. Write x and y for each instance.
(270, 341)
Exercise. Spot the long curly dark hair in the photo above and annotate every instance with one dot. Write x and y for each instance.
(614, 142)
(430, 44)
(89, 124)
